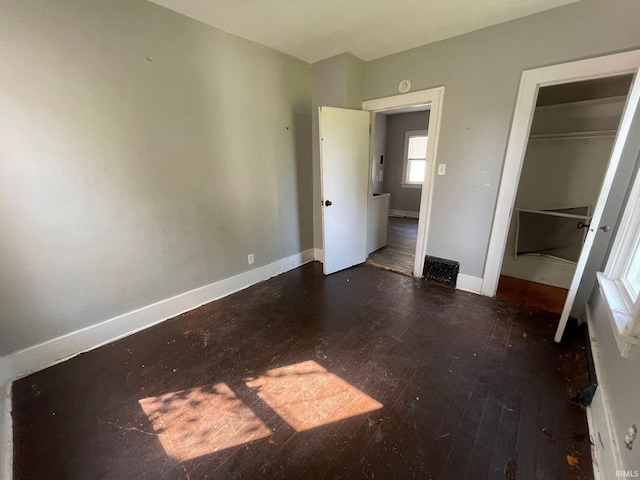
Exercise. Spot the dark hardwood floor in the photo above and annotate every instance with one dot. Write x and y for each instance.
(531, 294)
(399, 253)
(361, 374)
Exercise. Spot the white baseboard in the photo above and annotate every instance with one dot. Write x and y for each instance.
(604, 449)
(318, 255)
(468, 283)
(37, 357)
(6, 432)
(404, 213)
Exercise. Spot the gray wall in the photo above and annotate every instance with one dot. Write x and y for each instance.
(481, 74)
(125, 180)
(407, 199)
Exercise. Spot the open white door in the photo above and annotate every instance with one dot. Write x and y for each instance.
(344, 166)
(616, 154)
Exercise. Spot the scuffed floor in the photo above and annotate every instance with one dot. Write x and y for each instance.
(362, 374)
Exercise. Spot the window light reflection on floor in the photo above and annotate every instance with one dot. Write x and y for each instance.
(202, 420)
(306, 395)
(207, 419)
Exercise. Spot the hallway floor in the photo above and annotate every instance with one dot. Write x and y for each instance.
(361, 374)
(399, 253)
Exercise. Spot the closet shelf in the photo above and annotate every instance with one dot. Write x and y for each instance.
(554, 214)
(573, 135)
(550, 233)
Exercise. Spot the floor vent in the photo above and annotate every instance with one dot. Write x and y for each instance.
(440, 270)
(585, 397)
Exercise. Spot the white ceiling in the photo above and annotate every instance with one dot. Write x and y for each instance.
(313, 30)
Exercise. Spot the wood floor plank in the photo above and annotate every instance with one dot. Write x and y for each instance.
(399, 252)
(531, 294)
(466, 386)
(504, 453)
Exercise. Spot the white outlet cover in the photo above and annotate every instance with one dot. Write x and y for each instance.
(442, 168)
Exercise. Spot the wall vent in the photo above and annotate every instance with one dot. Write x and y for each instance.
(440, 270)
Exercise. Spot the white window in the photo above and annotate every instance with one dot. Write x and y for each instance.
(415, 158)
(631, 275)
(620, 282)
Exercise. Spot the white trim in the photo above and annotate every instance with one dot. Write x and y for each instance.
(468, 283)
(6, 432)
(595, 452)
(627, 235)
(403, 213)
(619, 317)
(434, 97)
(604, 451)
(397, 102)
(48, 353)
(318, 255)
(531, 81)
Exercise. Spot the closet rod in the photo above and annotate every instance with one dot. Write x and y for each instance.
(554, 214)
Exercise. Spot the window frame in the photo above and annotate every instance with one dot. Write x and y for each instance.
(405, 183)
(623, 309)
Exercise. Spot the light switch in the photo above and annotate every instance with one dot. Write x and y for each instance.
(442, 168)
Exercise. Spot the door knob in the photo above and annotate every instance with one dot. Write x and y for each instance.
(327, 203)
(604, 228)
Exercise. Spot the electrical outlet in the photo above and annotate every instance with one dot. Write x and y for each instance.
(250, 258)
(442, 168)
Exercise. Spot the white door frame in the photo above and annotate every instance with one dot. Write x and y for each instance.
(530, 83)
(434, 98)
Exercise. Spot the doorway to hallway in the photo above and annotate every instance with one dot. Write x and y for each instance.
(398, 255)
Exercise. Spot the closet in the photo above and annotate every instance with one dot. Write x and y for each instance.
(572, 134)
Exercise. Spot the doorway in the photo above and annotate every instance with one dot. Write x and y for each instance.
(572, 134)
(533, 80)
(425, 100)
(344, 197)
(398, 164)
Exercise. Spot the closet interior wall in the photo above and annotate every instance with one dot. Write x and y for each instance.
(569, 148)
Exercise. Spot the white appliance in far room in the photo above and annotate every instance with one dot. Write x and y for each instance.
(378, 221)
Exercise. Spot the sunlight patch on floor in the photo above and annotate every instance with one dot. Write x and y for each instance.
(202, 420)
(306, 395)
(207, 419)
